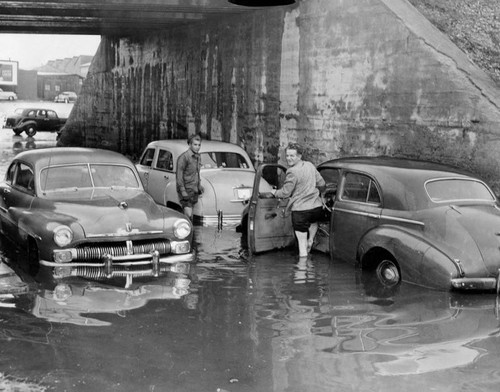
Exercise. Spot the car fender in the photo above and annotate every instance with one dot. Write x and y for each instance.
(40, 225)
(170, 196)
(207, 202)
(24, 124)
(420, 262)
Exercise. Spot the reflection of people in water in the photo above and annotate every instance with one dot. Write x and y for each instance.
(304, 271)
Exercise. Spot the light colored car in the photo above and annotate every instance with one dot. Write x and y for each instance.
(84, 212)
(66, 97)
(8, 95)
(419, 222)
(227, 175)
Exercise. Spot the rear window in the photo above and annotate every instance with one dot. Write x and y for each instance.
(457, 189)
(211, 160)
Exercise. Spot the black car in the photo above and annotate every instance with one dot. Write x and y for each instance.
(33, 120)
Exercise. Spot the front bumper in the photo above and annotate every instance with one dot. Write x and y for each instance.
(477, 284)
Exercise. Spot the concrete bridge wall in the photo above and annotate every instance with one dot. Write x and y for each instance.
(343, 78)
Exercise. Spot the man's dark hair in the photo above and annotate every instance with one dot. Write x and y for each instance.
(297, 147)
(194, 137)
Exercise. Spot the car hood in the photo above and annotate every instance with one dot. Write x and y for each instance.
(471, 233)
(106, 211)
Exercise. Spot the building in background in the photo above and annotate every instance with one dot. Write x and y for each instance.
(8, 75)
(62, 75)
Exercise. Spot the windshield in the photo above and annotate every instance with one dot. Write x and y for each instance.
(87, 176)
(233, 160)
(455, 189)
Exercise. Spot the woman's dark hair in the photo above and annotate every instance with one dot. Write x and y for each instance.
(295, 146)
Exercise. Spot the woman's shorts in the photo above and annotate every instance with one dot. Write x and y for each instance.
(301, 220)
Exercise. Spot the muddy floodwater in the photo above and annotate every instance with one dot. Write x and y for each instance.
(232, 323)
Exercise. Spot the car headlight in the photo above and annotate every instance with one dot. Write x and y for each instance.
(63, 235)
(182, 228)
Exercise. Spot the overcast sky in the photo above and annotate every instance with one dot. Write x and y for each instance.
(32, 51)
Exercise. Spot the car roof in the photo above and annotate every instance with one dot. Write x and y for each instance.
(402, 180)
(43, 157)
(181, 145)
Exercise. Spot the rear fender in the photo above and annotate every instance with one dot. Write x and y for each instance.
(418, 260)
(24, 124)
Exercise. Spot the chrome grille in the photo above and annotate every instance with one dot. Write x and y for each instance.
(96, 251)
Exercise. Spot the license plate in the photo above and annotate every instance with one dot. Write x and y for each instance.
(244, 193)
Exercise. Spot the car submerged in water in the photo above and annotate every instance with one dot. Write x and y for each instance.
(226, 173)
(83, 212)
(419, 222)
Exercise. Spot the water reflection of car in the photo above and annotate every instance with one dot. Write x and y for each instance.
(66, 97)
(428, 224)
(226, 173)
(421, 331)
(80, 302)
(84, 212)
(7, 95)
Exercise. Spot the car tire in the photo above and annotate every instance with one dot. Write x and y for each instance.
(11, 98)
(30, 131)
(387, 272)
(33, 257)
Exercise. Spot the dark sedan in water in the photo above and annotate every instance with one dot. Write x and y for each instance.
(84, 212)
(419, 222)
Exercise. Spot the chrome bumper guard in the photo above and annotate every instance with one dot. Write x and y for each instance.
(477, 284)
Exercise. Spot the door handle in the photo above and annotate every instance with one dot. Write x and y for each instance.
(6, 191)
(146, 174)
(165, 177)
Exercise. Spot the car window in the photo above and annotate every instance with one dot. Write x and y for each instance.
(147, 157)
(105, 176)
(87, 176)
(63, 177)
(51, 114)
(165, 160)
(456, 189)
(331, 177)
(211, 160)
(9, 177)
(360, 188)
(31, 113)
(24, 177)
(41, 113)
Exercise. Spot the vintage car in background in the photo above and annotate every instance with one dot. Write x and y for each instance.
(83, 212)
(33, 120)
(419, 222)
(7, 95)
(66, 97)
(227, 175)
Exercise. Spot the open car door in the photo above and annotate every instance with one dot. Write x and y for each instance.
(269, 220)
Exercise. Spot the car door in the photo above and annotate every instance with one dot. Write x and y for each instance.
(52, 121)
(357, 209)
(161, 175)
(269, 220)
(145, 165)
(16, 195)
(43, 122)
(331, 175)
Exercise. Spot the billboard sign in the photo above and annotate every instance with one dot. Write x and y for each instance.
(8, 73)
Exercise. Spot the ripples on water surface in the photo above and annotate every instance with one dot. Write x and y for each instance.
(269, 323)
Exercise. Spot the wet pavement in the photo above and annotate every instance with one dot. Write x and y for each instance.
(233, 323)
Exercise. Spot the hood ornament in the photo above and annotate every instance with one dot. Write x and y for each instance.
(128, 226)
(123, 205)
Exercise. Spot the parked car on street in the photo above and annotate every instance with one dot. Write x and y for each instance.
(8, 95)
(66, 97)
(227, 175)
(83, 212)
(420, 222)
(33, 120)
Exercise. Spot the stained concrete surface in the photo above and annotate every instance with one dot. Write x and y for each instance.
(266, 323)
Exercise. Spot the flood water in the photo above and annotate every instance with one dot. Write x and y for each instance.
(232, 323)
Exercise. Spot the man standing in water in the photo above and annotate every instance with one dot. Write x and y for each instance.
(188, 176)
(301, 186)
